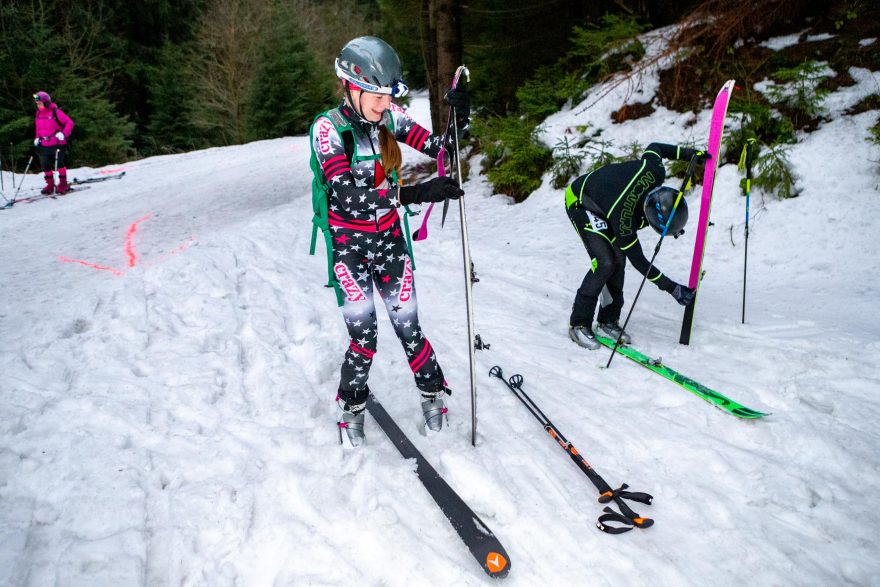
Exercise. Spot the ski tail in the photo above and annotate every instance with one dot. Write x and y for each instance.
(480, 540)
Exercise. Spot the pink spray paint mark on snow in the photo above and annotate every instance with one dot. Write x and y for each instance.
(129, 239)
(129, 251)
(113, 270)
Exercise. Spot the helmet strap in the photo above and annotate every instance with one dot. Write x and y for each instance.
(359, 108)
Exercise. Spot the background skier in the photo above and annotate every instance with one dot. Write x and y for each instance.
(52, 129)
(356, 160)
(607, 207)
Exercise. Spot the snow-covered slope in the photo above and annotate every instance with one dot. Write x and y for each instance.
(171, 421)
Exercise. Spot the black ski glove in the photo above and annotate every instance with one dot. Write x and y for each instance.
(433, 190)
(703, 156)
(461, 103)
(683, 294)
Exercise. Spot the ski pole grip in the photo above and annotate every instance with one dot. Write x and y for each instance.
(627, 515)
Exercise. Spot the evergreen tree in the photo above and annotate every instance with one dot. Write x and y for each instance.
(289, 87)
(102, 135)
(172, 96)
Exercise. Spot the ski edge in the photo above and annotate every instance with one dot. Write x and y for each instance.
(687, 323)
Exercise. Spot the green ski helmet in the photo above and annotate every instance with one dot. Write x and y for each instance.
(370, 64)
(659, 205)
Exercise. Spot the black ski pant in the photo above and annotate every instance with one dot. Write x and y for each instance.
(47, 157)
(607, 270)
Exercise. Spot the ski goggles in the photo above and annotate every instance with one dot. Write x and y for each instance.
(397, 90)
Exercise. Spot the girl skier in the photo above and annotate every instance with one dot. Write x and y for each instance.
(52, 129)
(355, 162)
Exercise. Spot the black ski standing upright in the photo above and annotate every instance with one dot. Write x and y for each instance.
(479, 539)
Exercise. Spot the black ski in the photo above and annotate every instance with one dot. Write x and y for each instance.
(97, 179)
(483, 544)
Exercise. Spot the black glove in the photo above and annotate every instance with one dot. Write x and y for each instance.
(433, 190)
(703, 156)
(683, 294)
(460, 101)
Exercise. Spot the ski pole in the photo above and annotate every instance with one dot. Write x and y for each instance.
(468, 280)
(626, 516)
(2, 186)
(12, 165)
(21, 183)
(685, 186)
(746, 159)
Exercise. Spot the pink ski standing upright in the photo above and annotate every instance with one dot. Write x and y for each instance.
(716, 132)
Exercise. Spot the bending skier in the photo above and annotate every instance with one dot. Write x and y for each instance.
(52, 129)
(607, 207)
(356, 163)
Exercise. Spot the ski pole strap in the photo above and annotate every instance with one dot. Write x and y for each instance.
(745, 163)
(626, 516)
(745, 155)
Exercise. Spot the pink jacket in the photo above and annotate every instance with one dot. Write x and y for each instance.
(49, 121)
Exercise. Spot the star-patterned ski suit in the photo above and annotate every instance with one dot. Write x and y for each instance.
(370, 249)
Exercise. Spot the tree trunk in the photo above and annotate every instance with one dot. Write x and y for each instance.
(441, 50)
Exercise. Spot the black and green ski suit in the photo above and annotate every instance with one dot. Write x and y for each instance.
(605, 207)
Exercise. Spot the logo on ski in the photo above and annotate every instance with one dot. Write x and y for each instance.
(495, 562)
(353, 291)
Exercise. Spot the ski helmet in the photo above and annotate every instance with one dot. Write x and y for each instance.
(659, 205)
(43, 97)
(370, 64)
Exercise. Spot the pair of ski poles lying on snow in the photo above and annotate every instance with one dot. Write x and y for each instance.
(626, 516)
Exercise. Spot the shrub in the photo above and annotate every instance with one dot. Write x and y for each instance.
(773, 172)
(514, 159)
(801, 91)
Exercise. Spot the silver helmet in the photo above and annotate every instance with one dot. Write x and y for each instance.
(370, 64)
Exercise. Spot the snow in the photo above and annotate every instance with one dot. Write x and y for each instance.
(174, 423)
(780, 43)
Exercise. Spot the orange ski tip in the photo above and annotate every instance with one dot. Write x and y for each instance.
(495, 562)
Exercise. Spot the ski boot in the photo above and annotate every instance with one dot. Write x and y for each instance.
(613, 330)
(583, 336)
(49, 188)
(352, 417)
(434, 405)
(63, 187)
